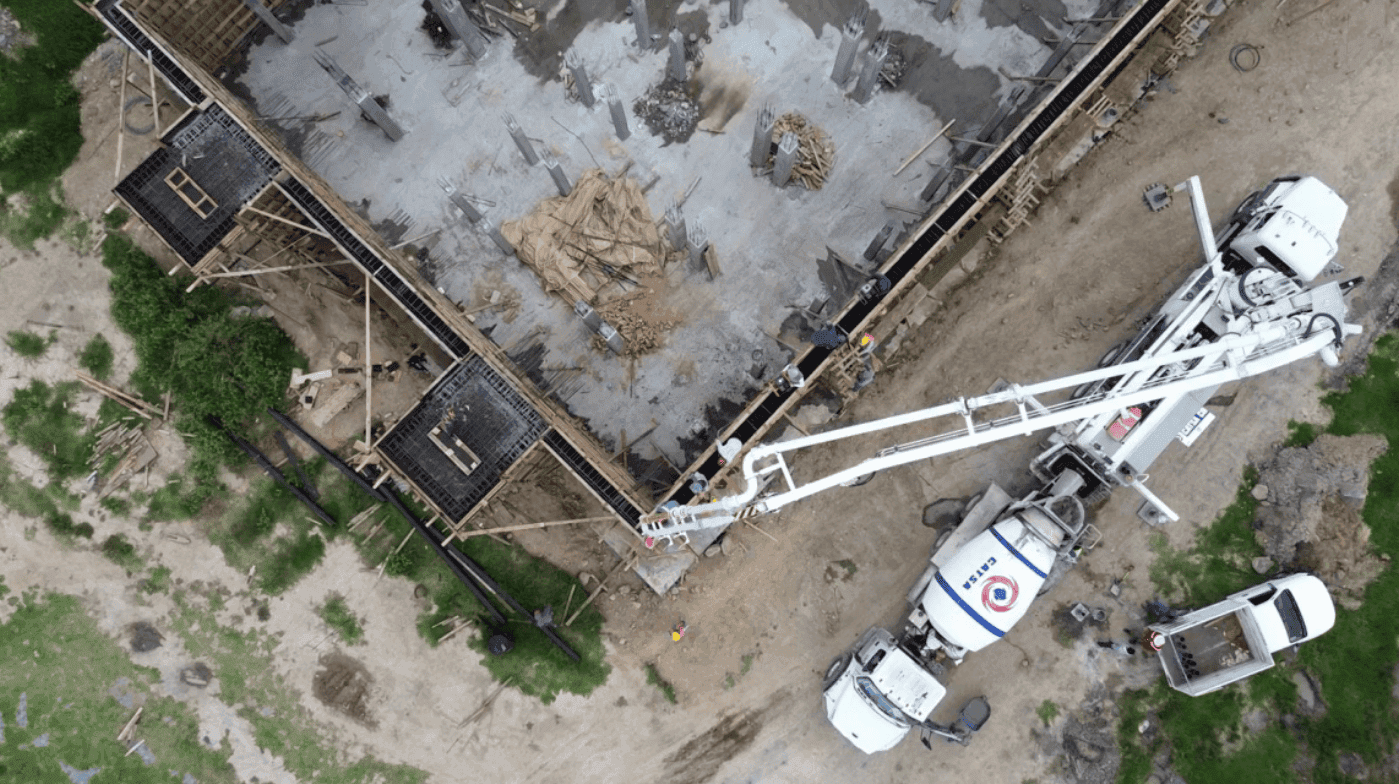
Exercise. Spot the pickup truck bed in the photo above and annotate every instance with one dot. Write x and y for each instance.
(1204, 650)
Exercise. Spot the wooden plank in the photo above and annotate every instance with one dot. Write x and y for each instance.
(291, 223)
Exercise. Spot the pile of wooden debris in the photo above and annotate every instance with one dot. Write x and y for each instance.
(815, 152)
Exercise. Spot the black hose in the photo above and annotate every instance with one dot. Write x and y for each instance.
(1335, 327)
(1250, 62)
(1243, 294)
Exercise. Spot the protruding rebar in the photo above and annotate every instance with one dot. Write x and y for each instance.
(675, 226)
(521, 140)
(580, 78)
(556, 171)
(785, 160)
(762, 137)
(849, 44)
(698, 244)
(869, 75)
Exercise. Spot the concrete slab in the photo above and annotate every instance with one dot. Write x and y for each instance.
(767, 240)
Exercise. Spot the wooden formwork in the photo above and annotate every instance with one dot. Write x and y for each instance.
(204, 31)
(404, 268)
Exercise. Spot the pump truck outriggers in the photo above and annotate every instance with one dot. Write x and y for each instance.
(1253, 306)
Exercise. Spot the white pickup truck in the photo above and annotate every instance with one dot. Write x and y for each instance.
(1228, 641)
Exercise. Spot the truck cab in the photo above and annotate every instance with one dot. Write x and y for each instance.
(878, 691)
(1291, 226)
(1228, 641)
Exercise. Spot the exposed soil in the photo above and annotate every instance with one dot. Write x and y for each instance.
(1309, 517)
(144, 637)
(1093, 255)
(343, 684)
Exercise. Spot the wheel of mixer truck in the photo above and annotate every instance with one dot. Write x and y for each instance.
(836, 670)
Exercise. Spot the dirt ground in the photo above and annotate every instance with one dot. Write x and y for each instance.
(1320, 102)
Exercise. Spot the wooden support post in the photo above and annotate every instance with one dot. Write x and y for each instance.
(527, 527)
(368, 366)
(155, 97)
(280, 219)
(924, 148)
(601, 584)
(263, 271)
(121, 115)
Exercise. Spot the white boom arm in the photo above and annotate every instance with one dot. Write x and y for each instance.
(1259, 339)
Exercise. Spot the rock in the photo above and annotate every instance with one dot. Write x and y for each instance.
(713, 550)
(1260, 492)
(586, 579)
(1262, 564)
(1353, 766)
(636, 605)
(726, 544)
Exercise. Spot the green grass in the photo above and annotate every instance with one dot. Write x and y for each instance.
(1220, 561)
(337, 616)
(215, 366)
(158, 581)
(1048, 711)
(536, 667)
(1353, 662)
(67, 700)
(1300, 434)
(653, 678)
(27, 344)
(115, 219)
(40, 125)
(281, 726)
(41, 418)
(116, 505)
(97, 357)
(122, 553)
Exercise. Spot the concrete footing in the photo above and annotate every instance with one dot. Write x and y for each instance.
(698, 244)
(641, 23)
(618, 111)
(786, 158)
(762, 137)
(849, 45)
(869, 74)
(675, 66)
(735, 11)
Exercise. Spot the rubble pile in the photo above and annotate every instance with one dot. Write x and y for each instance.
(669, 111)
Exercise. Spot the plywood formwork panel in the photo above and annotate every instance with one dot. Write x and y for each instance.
(205, 31)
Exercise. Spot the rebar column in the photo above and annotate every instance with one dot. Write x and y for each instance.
(699, 243)
(264, 13)
(849, 44)
(675, 68)
(735, 11)
(786, 158)
(521, 140)
(675, 226)
(762, 137)
(580, 78)
(371, 108)
(498, 238)
(556, 171)
(619, 112)
(643, 27)
(869, 75)
(461, 27)
(464, 204)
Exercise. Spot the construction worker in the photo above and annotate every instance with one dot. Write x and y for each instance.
(678, 631)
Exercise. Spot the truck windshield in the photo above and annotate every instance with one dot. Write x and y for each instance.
(1291, 617)
(878, 700)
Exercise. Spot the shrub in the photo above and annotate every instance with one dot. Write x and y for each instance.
(27, 344)
(97, 357)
